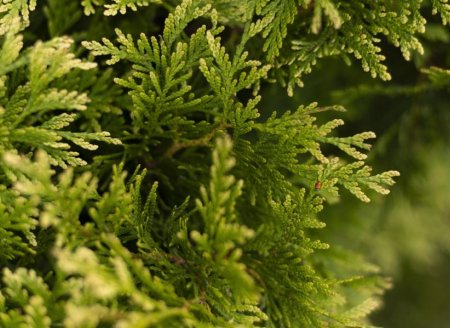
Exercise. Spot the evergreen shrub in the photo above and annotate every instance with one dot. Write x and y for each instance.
(145, 184)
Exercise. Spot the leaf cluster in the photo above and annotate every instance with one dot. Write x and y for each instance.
(216, 224)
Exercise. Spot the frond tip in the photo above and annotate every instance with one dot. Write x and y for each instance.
(356, 176)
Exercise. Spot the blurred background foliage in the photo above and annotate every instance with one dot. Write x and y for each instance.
(406, 233)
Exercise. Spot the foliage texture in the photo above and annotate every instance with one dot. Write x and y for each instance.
(161, 193)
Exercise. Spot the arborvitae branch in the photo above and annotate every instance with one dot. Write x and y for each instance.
(24, 109)
(221, 227)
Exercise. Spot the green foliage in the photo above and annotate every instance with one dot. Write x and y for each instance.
(403, 233)
(61, 18)
(219, 224)
(16, 225)
(15, 14)
(115, 6)
(28, 99)
(413, 222)
(439, 77)
(442, 8)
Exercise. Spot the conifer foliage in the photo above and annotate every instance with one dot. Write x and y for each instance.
(142, 185)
